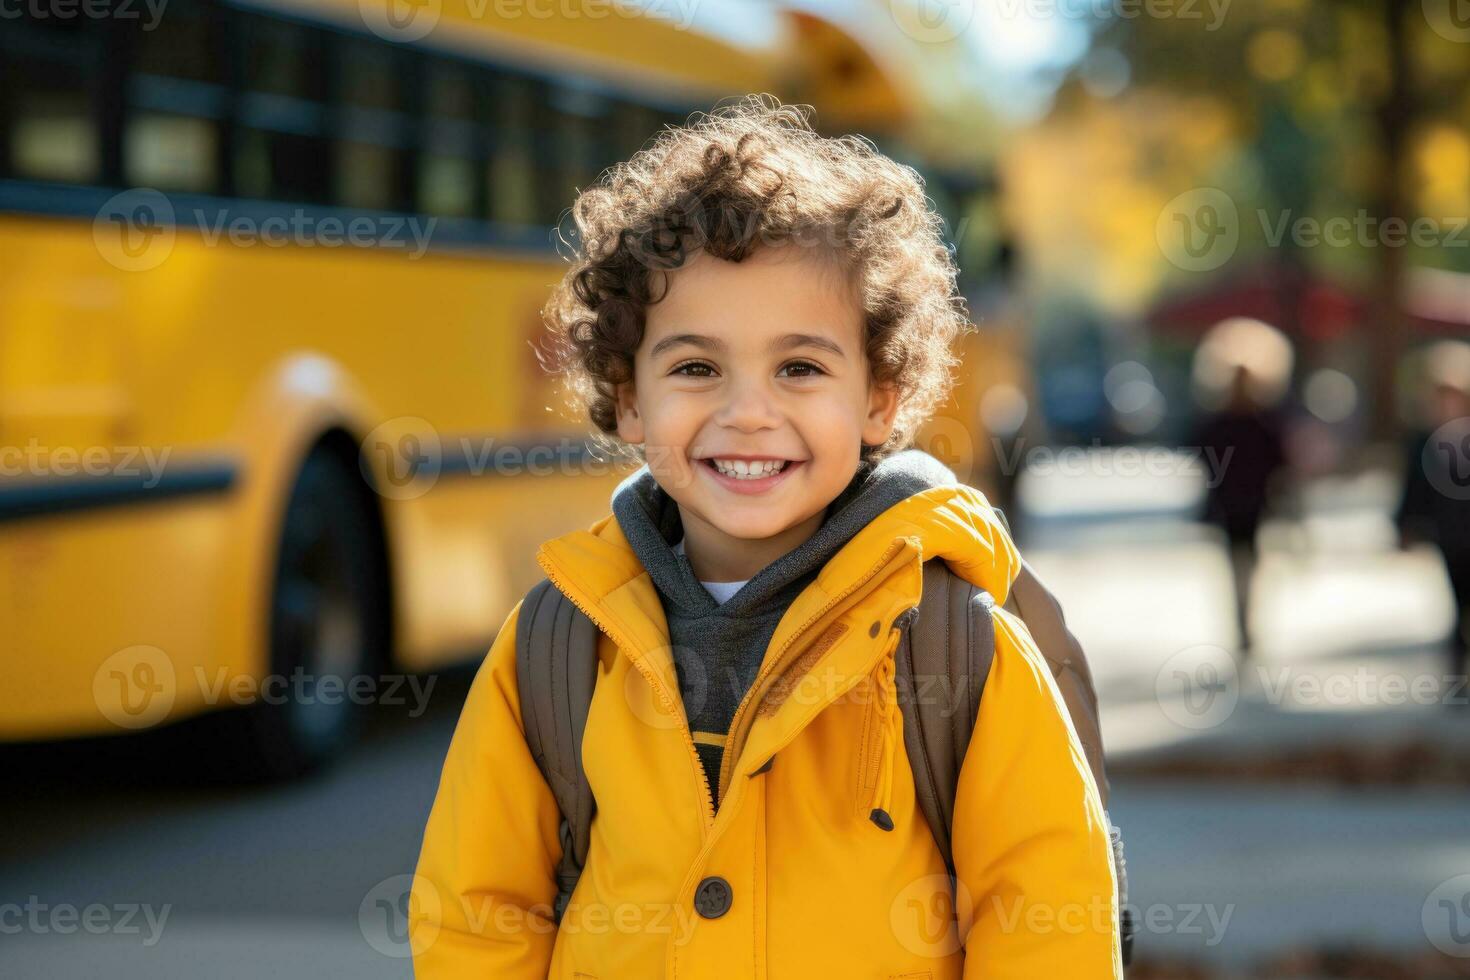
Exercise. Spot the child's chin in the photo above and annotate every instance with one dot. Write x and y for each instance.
(759, 527)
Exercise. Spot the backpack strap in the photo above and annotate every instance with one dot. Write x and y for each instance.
(943, 659)
(1035, 605)
(556, 669)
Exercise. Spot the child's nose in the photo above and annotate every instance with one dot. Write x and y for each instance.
(750, 406)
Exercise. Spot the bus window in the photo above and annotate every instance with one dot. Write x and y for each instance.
(512, 170)
(171, 152)
(48, 104)
(281, 152)
(584, 135)
(373, 126)
(184, 44)
(176, 103)
(569, 157)
(453, 146)
(283, 58)
(370, 74)
(632, 126)
(367, 176)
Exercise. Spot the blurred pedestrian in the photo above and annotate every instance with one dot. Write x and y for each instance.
(1245, 436)
(1434, 506)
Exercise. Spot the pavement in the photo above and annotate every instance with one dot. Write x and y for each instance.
(287, 881)
(1349, 632)
(1231, 875)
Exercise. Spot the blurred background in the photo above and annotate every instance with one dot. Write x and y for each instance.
(275, 452)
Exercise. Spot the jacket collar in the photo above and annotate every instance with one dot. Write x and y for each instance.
(599, 570)
(650, 521)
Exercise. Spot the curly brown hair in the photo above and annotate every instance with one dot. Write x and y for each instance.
(750, 174)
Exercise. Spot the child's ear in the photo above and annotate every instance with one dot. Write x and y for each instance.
(630, 424)
(882, 410)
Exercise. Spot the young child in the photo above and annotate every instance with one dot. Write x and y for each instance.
(764, 317)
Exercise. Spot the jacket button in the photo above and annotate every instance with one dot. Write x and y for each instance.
(712, 897)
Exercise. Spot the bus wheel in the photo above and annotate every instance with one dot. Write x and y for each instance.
(327, 624)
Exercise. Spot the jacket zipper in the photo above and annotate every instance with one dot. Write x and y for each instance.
(727, 761)
(709, 804)
(873, 728)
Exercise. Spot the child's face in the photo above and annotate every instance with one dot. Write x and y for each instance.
(758, 359)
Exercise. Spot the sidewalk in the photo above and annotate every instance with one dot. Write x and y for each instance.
(1350, 637)
(1230, 875)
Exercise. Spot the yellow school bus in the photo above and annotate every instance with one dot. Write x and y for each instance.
(271, 424)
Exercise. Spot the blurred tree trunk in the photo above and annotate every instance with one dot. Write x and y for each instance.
(1388, 328)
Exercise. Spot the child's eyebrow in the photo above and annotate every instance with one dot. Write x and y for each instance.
(784, 342)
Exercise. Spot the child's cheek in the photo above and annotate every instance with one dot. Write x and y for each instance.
(669, 464)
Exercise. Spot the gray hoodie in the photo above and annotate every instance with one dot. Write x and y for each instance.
(718, 648)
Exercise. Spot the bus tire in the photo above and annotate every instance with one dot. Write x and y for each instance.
(327, 621)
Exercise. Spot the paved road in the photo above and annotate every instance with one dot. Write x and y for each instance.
(1228, 874)
(264, 882)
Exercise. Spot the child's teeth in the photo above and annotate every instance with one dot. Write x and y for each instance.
(743, 470)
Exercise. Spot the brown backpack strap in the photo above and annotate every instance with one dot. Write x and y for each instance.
(1035, 605)
(944, 656)
(1038, 608)
(948, 648)
(556, 669)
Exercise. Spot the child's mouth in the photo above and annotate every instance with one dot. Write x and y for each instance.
(749, 477)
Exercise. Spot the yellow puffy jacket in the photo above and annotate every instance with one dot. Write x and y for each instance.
(789, 878)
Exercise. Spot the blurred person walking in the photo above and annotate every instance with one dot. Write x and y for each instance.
(1434, 506)
(1246, 436)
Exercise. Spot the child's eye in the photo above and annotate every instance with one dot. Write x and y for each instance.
(806, 369)
(700, 365)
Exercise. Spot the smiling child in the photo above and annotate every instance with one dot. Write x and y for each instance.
(763, 317)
